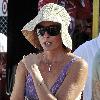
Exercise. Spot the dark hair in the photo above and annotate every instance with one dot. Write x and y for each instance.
(65, 48)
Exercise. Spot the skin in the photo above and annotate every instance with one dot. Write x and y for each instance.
(35, 65)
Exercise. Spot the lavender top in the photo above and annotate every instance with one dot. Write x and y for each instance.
(30, 91)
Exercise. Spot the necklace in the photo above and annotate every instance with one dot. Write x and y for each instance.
(49, 66)
(48, 63)
(52, 63)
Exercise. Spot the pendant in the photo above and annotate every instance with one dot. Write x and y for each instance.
(49, 68)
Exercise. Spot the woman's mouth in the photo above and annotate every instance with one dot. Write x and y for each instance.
(47, 44)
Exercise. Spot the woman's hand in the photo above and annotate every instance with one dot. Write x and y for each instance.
(31, 64)
(29, 60)
(36, 73)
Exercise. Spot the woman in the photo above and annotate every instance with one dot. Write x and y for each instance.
(55, 73)
(96, 77)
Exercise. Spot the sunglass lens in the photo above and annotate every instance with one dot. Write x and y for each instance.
(40, 31)
(53, 31)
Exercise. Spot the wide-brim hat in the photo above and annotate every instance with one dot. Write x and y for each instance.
(49, 12)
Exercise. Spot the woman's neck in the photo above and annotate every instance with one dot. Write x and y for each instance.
(54, 55)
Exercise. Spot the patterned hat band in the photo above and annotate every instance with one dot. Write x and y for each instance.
(49, 12)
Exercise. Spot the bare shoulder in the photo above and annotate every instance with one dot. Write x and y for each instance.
(79, 62)
(21, 70)
(79, 68)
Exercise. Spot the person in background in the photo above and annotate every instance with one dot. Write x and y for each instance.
(87, 51)
(96, 77)
(54, 73)
(3, 51)
(3, 43)
(3, 62)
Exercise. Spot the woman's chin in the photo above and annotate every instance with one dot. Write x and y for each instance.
(47, 49)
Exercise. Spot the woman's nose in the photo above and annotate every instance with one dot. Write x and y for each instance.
(46, 34)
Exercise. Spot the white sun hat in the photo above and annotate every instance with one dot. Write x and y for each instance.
(49, 12)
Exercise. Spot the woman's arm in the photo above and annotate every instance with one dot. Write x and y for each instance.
(74, 81)
(31, 64)
(18, 88)
(40, 86)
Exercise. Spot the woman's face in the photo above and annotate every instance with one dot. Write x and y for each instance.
(49, 35)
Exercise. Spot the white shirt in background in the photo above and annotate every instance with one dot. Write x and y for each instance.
(87, 51)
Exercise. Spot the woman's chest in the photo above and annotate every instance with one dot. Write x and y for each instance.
(50, 74)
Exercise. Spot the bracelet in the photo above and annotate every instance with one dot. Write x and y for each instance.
(39, 84)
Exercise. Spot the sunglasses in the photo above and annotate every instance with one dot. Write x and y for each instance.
(52, 30)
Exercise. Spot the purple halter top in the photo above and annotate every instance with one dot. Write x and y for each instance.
(30, 91)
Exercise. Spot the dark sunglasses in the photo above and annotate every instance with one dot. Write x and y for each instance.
(52, 30)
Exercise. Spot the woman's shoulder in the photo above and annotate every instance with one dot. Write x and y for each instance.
(20, 68)
(79, 70)
(78, 60)
(79, 63)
